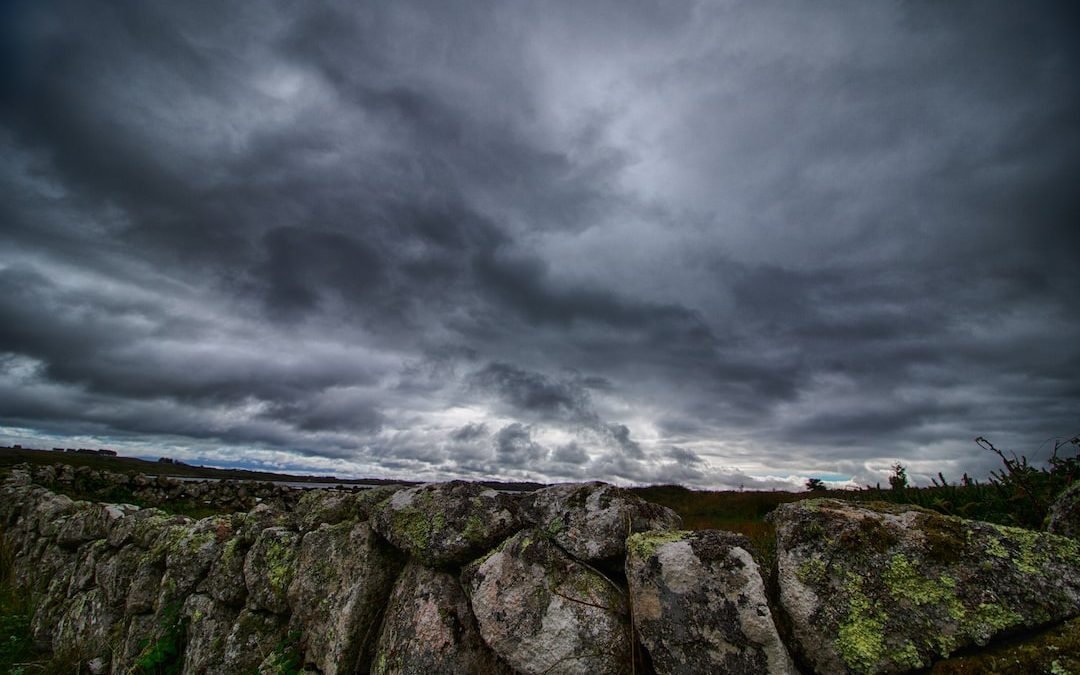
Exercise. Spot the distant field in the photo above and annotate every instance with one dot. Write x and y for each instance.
(12, 456)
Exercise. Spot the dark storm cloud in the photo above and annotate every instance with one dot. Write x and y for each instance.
(646, 242)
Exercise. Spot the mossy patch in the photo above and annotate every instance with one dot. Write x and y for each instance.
(644, 544)
(280, 558)
(861, 637)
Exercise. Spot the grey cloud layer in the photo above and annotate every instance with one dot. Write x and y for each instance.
(643, 242)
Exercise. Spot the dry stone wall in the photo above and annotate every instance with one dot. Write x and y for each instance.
(456, 578)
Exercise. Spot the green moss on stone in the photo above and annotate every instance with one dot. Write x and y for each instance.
(811, 571)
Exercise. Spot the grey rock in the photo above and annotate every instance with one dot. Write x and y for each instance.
(209, 624)
(252, 639)
(113, 574)
(344, 574)
(875, 588)
(591, 521)
(269, 568)
(317, 507)
(446, 523)
(429, 629)
(699, 604)
(543, 612)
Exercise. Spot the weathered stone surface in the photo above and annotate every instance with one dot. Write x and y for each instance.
(209, 624)
(429, 629)
(87, 557)
(881, 589)
(317, 507)
(543, 612)
(344, 574)
(190, 555)
(85, 621)
(253, 637)
(1064, 516)
(225, 580)
(136, 631)
(86, 523)
(592, 520)
(446, 523)
(113, 574)
(269, 568)
(699, 604)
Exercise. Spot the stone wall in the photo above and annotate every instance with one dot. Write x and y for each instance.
(580, 578)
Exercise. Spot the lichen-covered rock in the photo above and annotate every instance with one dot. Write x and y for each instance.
(541, 611)
(86, 523)
(269, 568)
(875, 588)
(592, 520)
(252, 638)
(344, 574)
(86, 561)
(189, 557)
(446, 523)
(225, 580)
(48, 514)
(430, 630)
(1064, 516)
(136, 632)
(113, 574)
(208, 626)
(85, 626)
(316, 507)
(699, 604)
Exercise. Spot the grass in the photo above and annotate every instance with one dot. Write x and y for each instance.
(18, 654)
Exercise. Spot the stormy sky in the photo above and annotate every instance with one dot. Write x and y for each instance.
(714, 243)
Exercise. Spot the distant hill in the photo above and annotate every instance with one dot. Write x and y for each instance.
(12, 456)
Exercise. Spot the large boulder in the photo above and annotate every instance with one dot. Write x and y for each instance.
(1064, 516)
(541, 611)
(430, 630)
(444, 524)
(591, 521)
(877, 588)
(699, 604)
(316, 507)
(344, 574)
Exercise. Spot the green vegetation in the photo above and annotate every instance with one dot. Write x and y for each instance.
(165, 655)
(286, 659)
(1053, 652)
(1019, 494)
(17, 651)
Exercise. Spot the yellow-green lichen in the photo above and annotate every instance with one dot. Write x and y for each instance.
(905, 582)
(995, 548)
(811, 571)
(861, 638)
(1036, 549)
(644, 544)
(474, 529)
(279, 565)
